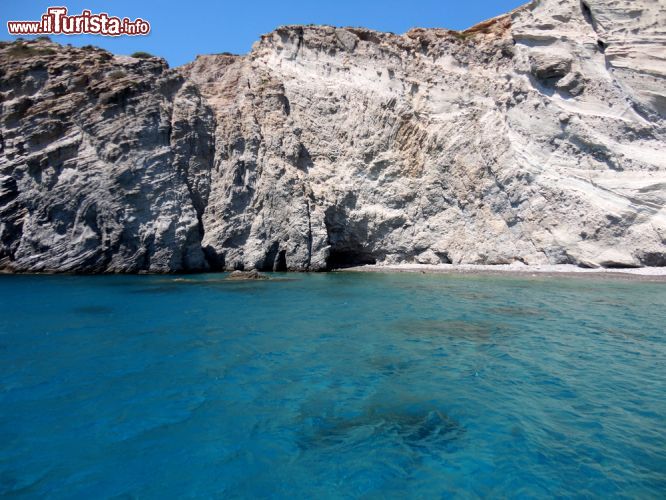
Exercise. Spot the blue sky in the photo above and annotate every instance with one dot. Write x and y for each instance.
(181, 30)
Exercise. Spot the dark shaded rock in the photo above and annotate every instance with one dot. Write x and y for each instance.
(549, 67)
(652, 259)
(572, 83)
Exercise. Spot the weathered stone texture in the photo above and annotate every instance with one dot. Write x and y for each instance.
(538, 136)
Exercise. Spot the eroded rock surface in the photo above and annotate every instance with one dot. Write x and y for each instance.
(250, 275)
(104, 162)
(538, 136)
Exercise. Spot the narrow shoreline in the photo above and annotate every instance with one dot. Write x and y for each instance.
(650, 274)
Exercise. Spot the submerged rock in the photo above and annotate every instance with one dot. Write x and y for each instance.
(430, 430)
(537, 136)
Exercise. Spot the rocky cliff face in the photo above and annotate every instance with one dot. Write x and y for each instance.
(538, 136)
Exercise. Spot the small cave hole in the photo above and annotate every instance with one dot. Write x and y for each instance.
(215, 260)
(340, 259)
(281, 262)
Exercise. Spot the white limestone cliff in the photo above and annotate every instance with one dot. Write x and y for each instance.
(536, 137)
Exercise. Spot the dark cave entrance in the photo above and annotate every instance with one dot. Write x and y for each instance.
(347, 239)
(343, 258)
(215, 260)
(275, 259)
(281, 262)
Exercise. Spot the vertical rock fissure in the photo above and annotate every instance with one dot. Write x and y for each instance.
(307, 205)
(587, 14)
(192, 139)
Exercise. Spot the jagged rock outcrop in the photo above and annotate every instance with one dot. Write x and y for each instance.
(537, 136)
(104, 162)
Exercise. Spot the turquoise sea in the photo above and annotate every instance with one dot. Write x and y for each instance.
(336, 385)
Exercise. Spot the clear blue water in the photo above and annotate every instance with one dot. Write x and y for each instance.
(332, 386)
